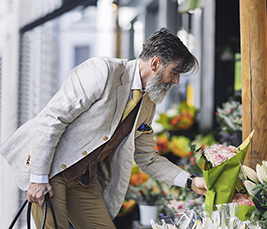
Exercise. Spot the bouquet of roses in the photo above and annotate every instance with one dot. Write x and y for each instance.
(221, 166)
(217, 154)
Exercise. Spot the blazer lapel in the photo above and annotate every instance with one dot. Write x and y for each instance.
(123, 90)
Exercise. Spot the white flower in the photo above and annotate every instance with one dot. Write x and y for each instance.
(264, 163)
(250, 186)
(250, 173)
(261, 173)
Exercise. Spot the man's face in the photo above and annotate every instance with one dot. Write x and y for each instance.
(159, 86)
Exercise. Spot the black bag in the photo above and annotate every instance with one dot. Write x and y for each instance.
(29, 213)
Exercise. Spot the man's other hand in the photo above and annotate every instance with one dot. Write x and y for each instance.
(36, 192)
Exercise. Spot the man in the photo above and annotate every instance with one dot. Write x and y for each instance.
(80, 147)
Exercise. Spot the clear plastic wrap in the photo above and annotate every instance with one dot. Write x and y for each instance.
(224, 217)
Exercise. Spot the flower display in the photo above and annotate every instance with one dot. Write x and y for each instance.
(230, 116)
(144, 189)
(162, 141)
(178, 118)
(138, 178)
(126, 207)
(179, 206)
(179, 199)
(150, 192)
(256, 185)
(179, 146)
(223, 217)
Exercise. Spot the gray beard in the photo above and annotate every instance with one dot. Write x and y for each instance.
(156, 89)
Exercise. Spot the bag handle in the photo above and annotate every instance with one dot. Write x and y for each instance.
(47, 200)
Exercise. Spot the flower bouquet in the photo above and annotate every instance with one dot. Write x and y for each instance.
(256, 185)
(221, 166)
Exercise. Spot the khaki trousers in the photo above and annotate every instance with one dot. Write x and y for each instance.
(83, 206)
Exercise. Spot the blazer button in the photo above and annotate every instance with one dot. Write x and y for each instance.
(105, 138)
(63, 166)
(84, 153)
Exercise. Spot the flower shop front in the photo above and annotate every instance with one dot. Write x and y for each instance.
(236, 176)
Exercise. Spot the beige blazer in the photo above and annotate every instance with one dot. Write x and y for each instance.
(81, 116)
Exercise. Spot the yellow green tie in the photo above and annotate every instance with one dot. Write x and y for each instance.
(137, 95)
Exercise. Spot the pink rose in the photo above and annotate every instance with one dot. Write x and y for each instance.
(209, 153)
(193, 160)
(218, 159)
(242, 199)
(230, 155)
(251, 202)
(244, 202)
(233, 149)
(226, 150)
(216, 147)
(238, 196)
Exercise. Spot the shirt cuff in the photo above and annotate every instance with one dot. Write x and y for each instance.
(181, 178)
(36, 178)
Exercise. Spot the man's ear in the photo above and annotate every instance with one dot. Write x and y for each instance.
(155, 63)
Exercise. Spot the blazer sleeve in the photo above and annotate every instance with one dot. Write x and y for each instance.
(83, 86)
(149, 161)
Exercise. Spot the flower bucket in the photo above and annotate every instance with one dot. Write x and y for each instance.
(147, 212)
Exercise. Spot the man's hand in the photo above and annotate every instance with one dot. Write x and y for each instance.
(36, 192)
(199, 186)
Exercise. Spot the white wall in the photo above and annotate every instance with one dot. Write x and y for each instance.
(13, 15)
(9, 50)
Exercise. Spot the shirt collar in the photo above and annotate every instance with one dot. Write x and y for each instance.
(137, 84)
